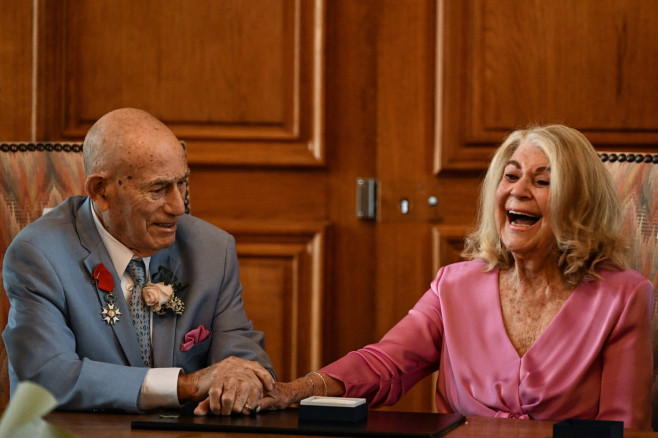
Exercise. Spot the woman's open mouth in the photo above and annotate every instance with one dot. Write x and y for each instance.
(522, 219)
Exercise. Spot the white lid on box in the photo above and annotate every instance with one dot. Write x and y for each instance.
(344, 402)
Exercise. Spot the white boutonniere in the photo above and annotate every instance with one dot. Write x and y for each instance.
(157, 294)
(161, 295)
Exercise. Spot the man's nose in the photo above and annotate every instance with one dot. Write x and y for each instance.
(175, 201)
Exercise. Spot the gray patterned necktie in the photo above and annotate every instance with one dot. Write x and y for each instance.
(139, 311)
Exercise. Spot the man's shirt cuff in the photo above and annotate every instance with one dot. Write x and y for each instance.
(159, 389)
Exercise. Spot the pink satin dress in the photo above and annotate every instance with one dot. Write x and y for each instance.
(594, 360)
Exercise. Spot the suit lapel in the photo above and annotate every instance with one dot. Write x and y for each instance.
(123, 329)
(164, 327)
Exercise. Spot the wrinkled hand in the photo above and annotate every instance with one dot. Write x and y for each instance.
(284, 394)
(231, 386)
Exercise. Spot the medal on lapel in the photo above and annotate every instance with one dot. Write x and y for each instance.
(110, 311)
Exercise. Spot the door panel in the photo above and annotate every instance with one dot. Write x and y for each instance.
(282, 270)
(505, 64)
(16, 71)
(240, 80)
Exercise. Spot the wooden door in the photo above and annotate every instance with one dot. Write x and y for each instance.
(424, 213)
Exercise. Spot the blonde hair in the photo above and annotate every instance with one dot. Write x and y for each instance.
(583, 205)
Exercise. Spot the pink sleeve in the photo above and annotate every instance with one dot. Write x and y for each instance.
(628, 364)
(384, 371)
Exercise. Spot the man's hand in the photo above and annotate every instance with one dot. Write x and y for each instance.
(231, 386)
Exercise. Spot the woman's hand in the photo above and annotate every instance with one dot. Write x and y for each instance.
(286, 393)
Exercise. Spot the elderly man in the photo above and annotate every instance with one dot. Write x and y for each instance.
(121, 301)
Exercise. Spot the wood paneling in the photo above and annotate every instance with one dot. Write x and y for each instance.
(596, 69)
(405, 108)
(240, 80)
(262, 195)
(447, 244)
(351, 138)
(16, 70)
(589, 64)
(282, 274)
(16, 27)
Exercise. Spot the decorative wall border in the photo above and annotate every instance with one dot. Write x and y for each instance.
(628, 157)
(74, 147)
(44, 147)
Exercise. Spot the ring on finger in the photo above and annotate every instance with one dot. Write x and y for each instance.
(250, 409)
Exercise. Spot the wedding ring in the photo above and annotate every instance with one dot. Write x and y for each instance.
(251, 410)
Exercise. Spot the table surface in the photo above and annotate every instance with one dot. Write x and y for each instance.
(118, 425)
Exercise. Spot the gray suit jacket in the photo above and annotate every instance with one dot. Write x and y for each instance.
(56, 337)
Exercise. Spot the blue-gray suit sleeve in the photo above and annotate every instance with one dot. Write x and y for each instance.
(41, 343)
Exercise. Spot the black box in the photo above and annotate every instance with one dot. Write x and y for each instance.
(333, 409)
(574, 428)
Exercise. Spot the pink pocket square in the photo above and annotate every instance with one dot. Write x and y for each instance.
(194, 337)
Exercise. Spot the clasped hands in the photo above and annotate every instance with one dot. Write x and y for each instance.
(228, 387)
(239, 386)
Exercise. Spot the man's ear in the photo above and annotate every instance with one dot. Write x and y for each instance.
(96, 186)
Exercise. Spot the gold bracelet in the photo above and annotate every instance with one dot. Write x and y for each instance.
(323, 381)
(312, 383)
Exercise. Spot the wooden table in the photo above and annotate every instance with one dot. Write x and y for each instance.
(117, 425)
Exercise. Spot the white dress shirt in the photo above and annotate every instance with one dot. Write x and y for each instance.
(160, 386)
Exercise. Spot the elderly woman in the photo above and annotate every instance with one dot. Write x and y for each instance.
(545, 321)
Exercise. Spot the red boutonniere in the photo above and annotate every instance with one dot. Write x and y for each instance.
(110, 312)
